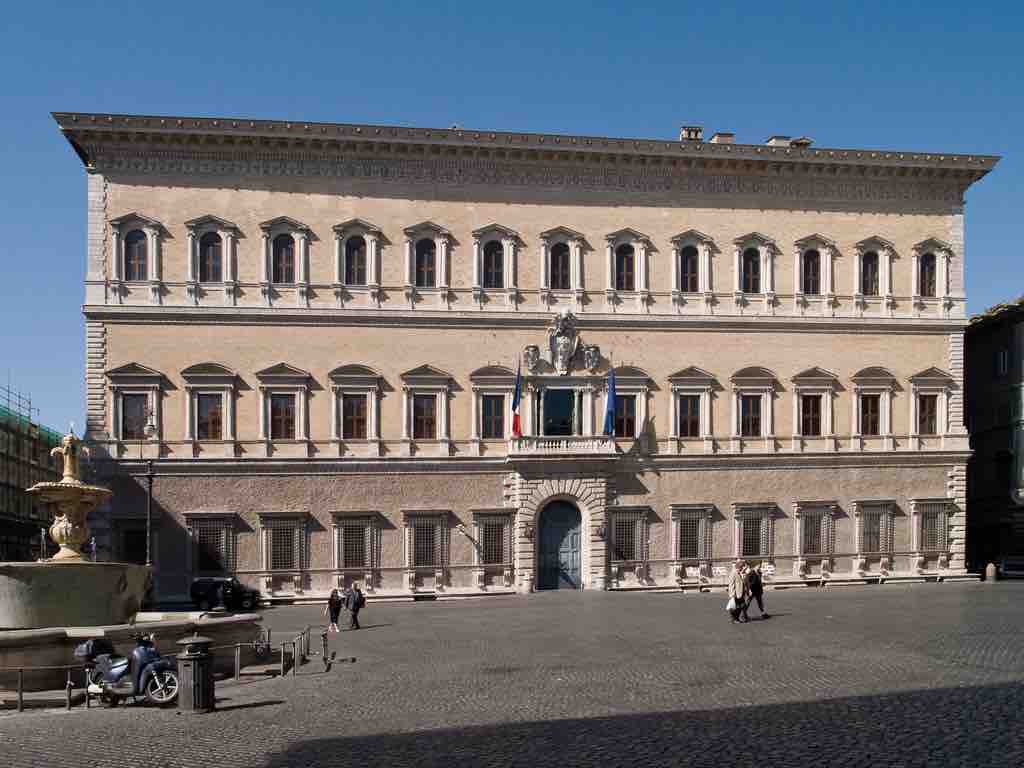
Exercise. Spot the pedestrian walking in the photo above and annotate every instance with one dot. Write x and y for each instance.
(756, 583)
(355, 603)
(737, 591)
(333, 609)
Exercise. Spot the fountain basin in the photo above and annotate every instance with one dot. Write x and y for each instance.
(70, 593)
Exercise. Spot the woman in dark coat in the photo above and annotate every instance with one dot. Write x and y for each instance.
(333, 607)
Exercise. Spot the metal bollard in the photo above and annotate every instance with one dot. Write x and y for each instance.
(195, 675)
(238, 662)
(68, 688)
(282, 658)
(991, 574)
(21, 690)
(85, 673)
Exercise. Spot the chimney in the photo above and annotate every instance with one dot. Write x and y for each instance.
(723, 137)
(778, 141)
(801, 141)
(691, 133)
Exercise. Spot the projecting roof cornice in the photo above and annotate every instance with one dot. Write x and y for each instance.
(83, 129)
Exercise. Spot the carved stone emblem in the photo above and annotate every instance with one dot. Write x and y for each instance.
(591, 356)
(531, 358)
(563, 341)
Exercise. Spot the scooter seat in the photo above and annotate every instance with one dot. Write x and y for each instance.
(112, 667)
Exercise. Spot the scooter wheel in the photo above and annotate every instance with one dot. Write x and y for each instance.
(162, 688)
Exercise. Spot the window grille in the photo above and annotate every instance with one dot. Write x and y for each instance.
(933, 527)
(286, 543)
(692, 540)
(629, 536)
(559, 267)
(817, 533)
(495, 537)
(356, 541)
(688, 282)
(215, 546)
(427, 541)
(755, 532)
(689, 415)
(494, 265)
(876, 529)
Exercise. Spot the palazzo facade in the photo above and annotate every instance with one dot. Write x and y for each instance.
(313, 331)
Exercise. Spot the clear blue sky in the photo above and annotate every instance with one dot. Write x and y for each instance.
(938, 76)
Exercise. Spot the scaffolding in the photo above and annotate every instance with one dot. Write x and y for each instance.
(25, 460)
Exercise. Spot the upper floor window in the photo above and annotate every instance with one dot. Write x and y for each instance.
(210, 270)
(810, 415)
(135, 255)
(751, 271)
(283, 259)
(424, 417)
(811, 277)
(560, 267)
(210, 416)
(426, 262)
(870, 414)
(494, 265)
(625, 271)
(355, 260)
(282, 416)
(134, 416)
(493, 417)
(353, 416)
(689, 415)
(750, 415)
(927, 414)
(926, 279)
(625, 416)
(688, 270)
(869, 274)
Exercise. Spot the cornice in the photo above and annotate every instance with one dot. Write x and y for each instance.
(419, 318)
(311, 135)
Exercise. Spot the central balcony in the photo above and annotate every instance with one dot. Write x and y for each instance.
(567, 446)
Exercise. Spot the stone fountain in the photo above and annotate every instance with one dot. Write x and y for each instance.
(69, 589)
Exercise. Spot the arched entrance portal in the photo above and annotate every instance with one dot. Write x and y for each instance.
(558, 556)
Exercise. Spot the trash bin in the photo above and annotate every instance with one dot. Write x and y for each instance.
(195, 675)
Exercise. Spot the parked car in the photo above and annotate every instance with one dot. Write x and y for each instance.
(1011, 568)
(236, 595)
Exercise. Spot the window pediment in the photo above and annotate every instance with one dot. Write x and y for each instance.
(427, 375)
(755, 240)
(815, 241)
(693, 236)
(209, 373)
(492, 374)
(134, 373)
(427, 228)
(137, 219)
(754, 375)
(631, 375)
(496, 229)
(875, 243)
(562, 233)
(285, 223)
(282, 371)
(627, 235)
(874, 373)
(933, 245)
(692, 375)
(816, 376)
(355, 226)
(210, 221)
(933, 376)
(355, 375)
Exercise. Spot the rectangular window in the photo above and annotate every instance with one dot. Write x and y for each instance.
(493, 541)
(1002, 362)
(930, 529)
(283, 548)
(424, 540)
(424, 417)
(625, 416)
(560, 267)
(927, 281)
(355, 267)
(751, 272)
(812, 273)
(870, 410)
(689, 538)
(869, 274)
(813, 534)
(624, 274)
(134, 412)
(871, 532)
(213, 547)
(750, 415)
(750, 536)
(688, 274)
(494, 265)
(353, 417)
(689, 415)
(493, 417)
(282, 417)
(927, 414)
(353, 546)
(210, 417)
(624, 539)
(810, 415)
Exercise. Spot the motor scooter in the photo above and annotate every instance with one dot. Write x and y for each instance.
(144, 673)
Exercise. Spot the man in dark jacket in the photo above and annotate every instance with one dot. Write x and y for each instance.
(354, 603)
(756, 584)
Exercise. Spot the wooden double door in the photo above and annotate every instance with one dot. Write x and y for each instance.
(559, 555)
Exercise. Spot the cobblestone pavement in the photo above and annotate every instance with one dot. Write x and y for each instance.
(897, 675)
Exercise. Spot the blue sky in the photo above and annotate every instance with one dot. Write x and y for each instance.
(936, 76)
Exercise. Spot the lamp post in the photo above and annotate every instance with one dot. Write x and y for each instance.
(150, 431)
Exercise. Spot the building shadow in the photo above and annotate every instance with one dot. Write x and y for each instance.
(954, 726)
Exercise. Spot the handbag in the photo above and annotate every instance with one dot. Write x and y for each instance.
(731, 605)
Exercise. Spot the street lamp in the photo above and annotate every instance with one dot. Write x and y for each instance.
(150, 431)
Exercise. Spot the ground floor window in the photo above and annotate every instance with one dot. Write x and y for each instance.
(816, 531)
(875, 524)
(932, 526)
(754, 531)
(494, 538)
(284, 541)
(213, 543)
(426, 541)
(693, 531)
(356, 542)
(629, 539)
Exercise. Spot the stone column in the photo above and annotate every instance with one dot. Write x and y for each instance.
(409, 277)
(676, 256)
(509, 250)
(116, 256)
(372, 258)
(339, 255)
(737, 270)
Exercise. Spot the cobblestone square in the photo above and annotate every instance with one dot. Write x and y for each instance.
(910, 675)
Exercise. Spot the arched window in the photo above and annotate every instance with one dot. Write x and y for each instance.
(811, 278)
(426, 262)
(284, 259)
(355, 260)
(624, 268)
(210, 258)
(751, 271)
(926, 283)
(560, 267)
(135, 256)
(494, 265)
(869, 274)
(688, 282)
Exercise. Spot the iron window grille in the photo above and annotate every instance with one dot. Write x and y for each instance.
(817, 533)
(933, 526)
(629, 539)
(693, 532)
(427, 541)
(356, 542)
(755, 529)
(875, 529)
(286, 544)
(494, 539)
(215, 546)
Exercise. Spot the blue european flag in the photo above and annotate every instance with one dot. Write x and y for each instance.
(609, 408)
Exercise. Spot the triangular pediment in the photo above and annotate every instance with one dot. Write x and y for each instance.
(135, 218)
(693, 236)
(874, 243)
(563, 233)
(692, 373)
(207, 369)
(495, 228)
(284, 222)
(282, 370)
(426, 227)
(754, 372)
(133, 369)
(426, 371)
(755, 239)
(815, 240)
(933, 244)
(353, 370)
(873, 372)
(209, 220)
(628, 233)
(492, 372)
(932, 374)
(815, 374)
(356, 225)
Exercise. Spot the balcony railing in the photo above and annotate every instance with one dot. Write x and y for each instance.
(575, 445)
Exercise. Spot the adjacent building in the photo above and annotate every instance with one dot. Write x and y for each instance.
(995, 477)
(317, 333)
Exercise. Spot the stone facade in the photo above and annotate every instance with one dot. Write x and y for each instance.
(785, 325)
